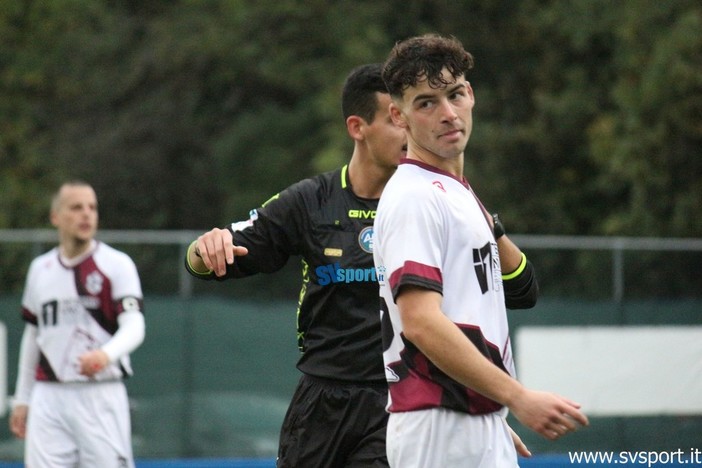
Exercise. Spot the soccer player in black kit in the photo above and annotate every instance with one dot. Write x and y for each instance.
(337, 415)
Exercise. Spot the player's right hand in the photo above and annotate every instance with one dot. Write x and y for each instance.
(217, 250)
(18, 421)
(548, 414)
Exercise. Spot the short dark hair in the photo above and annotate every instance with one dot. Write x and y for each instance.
(422, 58)
(358, 96)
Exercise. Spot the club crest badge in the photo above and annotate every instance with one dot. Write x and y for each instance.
(365, 239)
(93, 283)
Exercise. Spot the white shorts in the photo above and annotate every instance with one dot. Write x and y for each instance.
(441, 438)
(79, 425)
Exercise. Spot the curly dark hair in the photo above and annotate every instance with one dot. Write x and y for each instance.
(422, 58)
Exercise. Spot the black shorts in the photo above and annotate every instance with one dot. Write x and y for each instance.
(332, 424)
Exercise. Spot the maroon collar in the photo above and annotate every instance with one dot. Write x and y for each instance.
(429, 167)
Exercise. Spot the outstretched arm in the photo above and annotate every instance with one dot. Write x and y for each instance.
(212, 252)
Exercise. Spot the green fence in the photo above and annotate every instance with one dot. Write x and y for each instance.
(214, 377)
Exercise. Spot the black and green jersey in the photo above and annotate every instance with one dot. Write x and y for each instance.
(322, 221)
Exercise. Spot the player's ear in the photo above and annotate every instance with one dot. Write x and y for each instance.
(354, 126)
(469, 89)
(53, 217)
(398, 118)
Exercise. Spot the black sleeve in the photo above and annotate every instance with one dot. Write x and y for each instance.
(271, 235)
(274, 232)
(522, 291)
(268, 247)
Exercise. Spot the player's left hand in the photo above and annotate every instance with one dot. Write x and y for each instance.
(520, 446)
(93, 362)
(18, 421)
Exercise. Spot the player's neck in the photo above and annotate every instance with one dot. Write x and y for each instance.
(74, 248)
(368, 180)
(451, 165)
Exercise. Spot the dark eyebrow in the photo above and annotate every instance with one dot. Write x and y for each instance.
(422, 97)
(454, 88)
(447, 90)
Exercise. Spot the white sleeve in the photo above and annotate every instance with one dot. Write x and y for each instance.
(128, 337)
(412, 231)
(27, 367)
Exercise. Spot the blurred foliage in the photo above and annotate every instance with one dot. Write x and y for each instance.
(185, 114)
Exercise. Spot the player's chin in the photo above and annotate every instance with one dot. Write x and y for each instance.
(86, 235)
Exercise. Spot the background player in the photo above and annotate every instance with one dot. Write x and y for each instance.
(446, 342)
(82, 305)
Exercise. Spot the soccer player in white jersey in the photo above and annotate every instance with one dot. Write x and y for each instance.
(446, 346)
(82, 305)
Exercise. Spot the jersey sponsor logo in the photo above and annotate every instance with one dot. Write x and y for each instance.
(380, 271)
(482, 265)
(486, 262)
(439, 185)
(362, 214)
(49, 314)
(365, 239)
(496, 268)
(333, 273)
(69, 311)
(90, 302)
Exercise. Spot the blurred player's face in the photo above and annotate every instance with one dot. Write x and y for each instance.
(387, 143)
(75, 214)
(439, 121)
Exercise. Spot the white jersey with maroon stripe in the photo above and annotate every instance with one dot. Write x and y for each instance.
(75, 305)
(431, 232)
